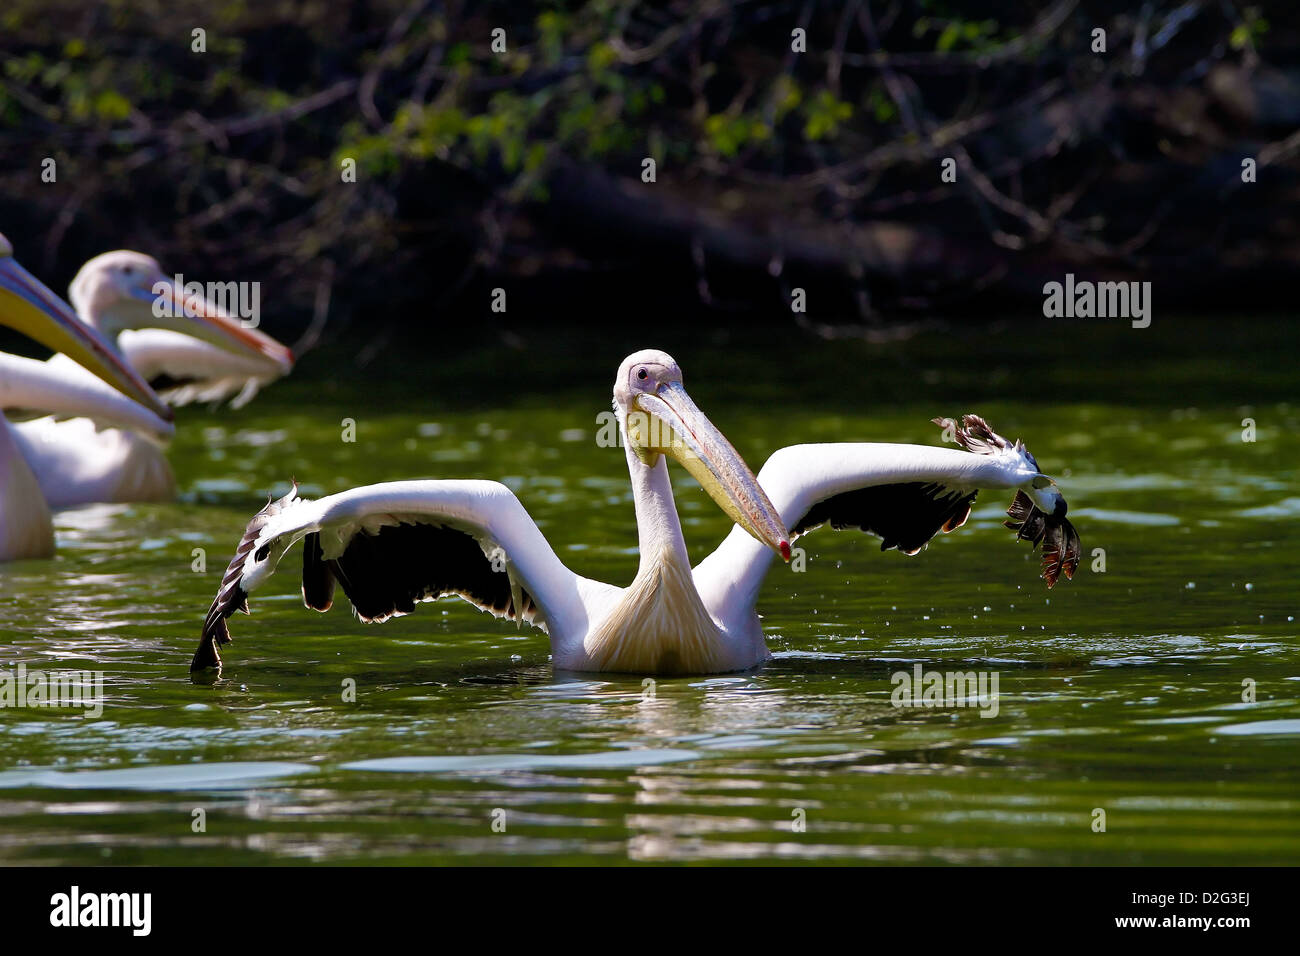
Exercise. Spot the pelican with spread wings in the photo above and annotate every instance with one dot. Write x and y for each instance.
(391, 546)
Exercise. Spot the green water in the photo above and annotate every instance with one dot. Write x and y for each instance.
(1120, 691)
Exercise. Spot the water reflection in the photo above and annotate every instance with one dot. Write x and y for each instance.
(1122, 689)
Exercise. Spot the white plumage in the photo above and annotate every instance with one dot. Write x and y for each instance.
(28, 306)
(93, 445)
(393, 545)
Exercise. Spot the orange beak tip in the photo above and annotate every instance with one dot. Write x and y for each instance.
(785, 550)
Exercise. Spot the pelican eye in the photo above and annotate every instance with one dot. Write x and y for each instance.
(642, 374)
(262, 553)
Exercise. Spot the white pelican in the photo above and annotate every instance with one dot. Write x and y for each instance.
(28, 306)
(192, 351)
(392, 545)
(195, 349)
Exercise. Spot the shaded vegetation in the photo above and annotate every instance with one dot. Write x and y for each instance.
(523, 166)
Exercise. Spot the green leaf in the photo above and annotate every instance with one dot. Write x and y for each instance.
(112, 106)
(949, 37)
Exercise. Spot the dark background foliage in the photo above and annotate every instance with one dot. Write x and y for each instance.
(775, 169)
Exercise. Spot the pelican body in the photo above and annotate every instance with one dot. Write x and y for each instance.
(85, 447)
(391, 546)
(29, 306)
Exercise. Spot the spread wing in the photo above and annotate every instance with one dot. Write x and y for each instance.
(905, 515)
(392, 546)
(905, 494)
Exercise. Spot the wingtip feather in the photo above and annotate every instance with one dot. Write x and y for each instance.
(231, 596)
(1060, 541)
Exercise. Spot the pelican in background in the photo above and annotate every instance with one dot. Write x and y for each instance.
(29, 307)
(392, 545)
(193, 347)
(202, 356)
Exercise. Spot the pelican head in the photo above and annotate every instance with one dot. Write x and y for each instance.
(658, 417)
(28, 306)
(125, 290)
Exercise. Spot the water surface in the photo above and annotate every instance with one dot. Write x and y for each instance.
(1120, 691)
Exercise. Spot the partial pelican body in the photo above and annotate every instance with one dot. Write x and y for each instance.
(78, 461)
(28, 306)
(183, 369)
(392, 545)
(115, 457)
(197, 353)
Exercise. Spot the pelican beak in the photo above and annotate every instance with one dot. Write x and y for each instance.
(686, 434)
(212, 325)
(28, 306)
